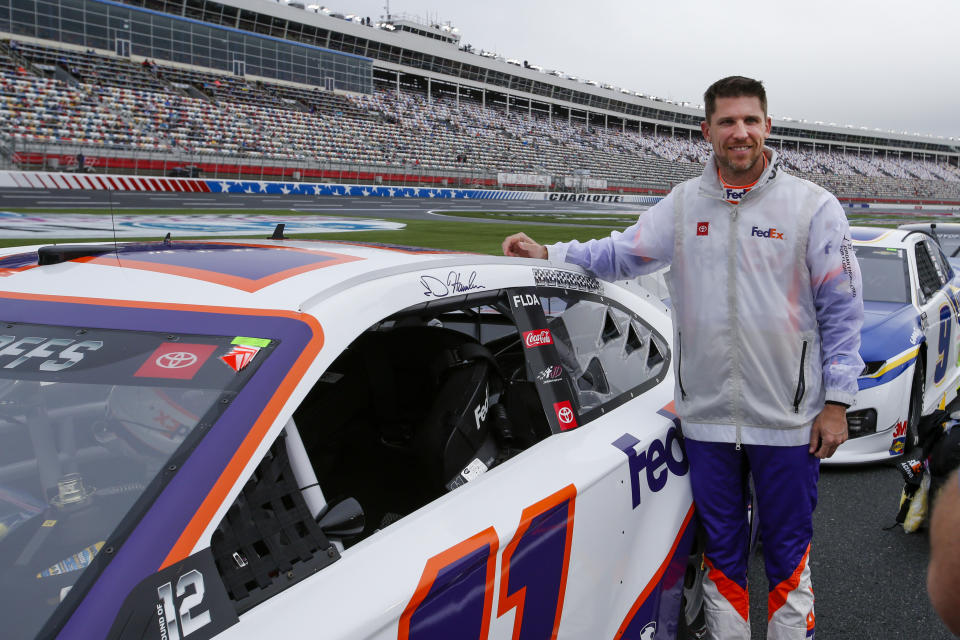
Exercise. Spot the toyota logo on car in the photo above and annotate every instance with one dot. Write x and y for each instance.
(176, 360)
(565, 415)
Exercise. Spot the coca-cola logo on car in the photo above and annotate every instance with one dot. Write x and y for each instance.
(537, 338)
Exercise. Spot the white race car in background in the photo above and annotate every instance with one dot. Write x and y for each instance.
(909, 342)
(289, 439)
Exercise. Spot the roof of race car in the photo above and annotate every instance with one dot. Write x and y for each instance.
(250, 273)
(881, 237)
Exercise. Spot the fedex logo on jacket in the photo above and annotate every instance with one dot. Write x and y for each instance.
(766, 233)
(732, 195)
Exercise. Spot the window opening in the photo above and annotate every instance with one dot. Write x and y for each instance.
(610, 353)
(269, 540)
(926, 272)
(610, 330)
(421, 403)
(634, 342)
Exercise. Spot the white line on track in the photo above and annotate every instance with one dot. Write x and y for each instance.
(45, 202)
(31, 197)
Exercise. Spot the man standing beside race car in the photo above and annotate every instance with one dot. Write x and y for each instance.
(767, 309)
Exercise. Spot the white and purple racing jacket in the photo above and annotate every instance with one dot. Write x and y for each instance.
(766, 297)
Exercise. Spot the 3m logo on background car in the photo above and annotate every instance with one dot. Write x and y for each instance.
(176, 360)
(703, 228)
(565, 415)
(899, 438)
(766, 233)
(525, 300)
(537, 338)
(657, 462)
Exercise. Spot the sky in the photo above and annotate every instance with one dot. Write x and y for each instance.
(877, 63)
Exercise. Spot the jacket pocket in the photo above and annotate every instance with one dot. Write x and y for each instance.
(801, 382)
(683, 393)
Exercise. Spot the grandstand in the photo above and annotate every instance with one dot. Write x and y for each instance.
(253, 88)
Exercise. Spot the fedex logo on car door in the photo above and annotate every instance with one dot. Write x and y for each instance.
(655, 463)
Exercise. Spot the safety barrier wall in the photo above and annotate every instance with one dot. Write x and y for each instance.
(110, 182)
(86, 181)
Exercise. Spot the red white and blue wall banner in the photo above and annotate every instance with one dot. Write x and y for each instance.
(87, 181)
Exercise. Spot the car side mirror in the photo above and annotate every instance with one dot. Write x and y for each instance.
(343, 520)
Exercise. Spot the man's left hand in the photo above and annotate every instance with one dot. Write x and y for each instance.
(829, 431)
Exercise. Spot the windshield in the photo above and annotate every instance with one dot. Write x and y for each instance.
(885, 275)
(88, 418)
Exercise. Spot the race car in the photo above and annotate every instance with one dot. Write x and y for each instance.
(291, 439)
(910, 342)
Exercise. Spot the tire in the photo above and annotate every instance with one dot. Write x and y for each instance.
(915, 410)
(691, 624)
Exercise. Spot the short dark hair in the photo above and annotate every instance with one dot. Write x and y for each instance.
(733, 87)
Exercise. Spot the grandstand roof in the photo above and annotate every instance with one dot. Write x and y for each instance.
(502, 76)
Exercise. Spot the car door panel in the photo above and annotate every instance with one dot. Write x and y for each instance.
(616, 549)
(939, 327)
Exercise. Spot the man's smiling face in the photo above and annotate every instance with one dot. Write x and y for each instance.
(737, 130)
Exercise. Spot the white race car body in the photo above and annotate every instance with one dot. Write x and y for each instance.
(184, 426)
(910, 321)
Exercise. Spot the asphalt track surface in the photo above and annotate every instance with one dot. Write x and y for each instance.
(397, 208)
(869, 579)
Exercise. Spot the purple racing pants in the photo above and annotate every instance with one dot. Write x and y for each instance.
(785, 482)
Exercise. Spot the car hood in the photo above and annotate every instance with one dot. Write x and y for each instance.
(888, 329)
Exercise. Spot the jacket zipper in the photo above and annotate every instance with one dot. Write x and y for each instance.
(801, 383)
(732, 283)
(683, 394)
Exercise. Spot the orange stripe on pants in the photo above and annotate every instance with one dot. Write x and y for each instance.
(778, 595)
(735, 594)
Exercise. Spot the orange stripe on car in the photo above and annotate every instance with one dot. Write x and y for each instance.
(657, 577)
(208, 508)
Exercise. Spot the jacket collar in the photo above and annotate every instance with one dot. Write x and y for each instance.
(710, 182)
